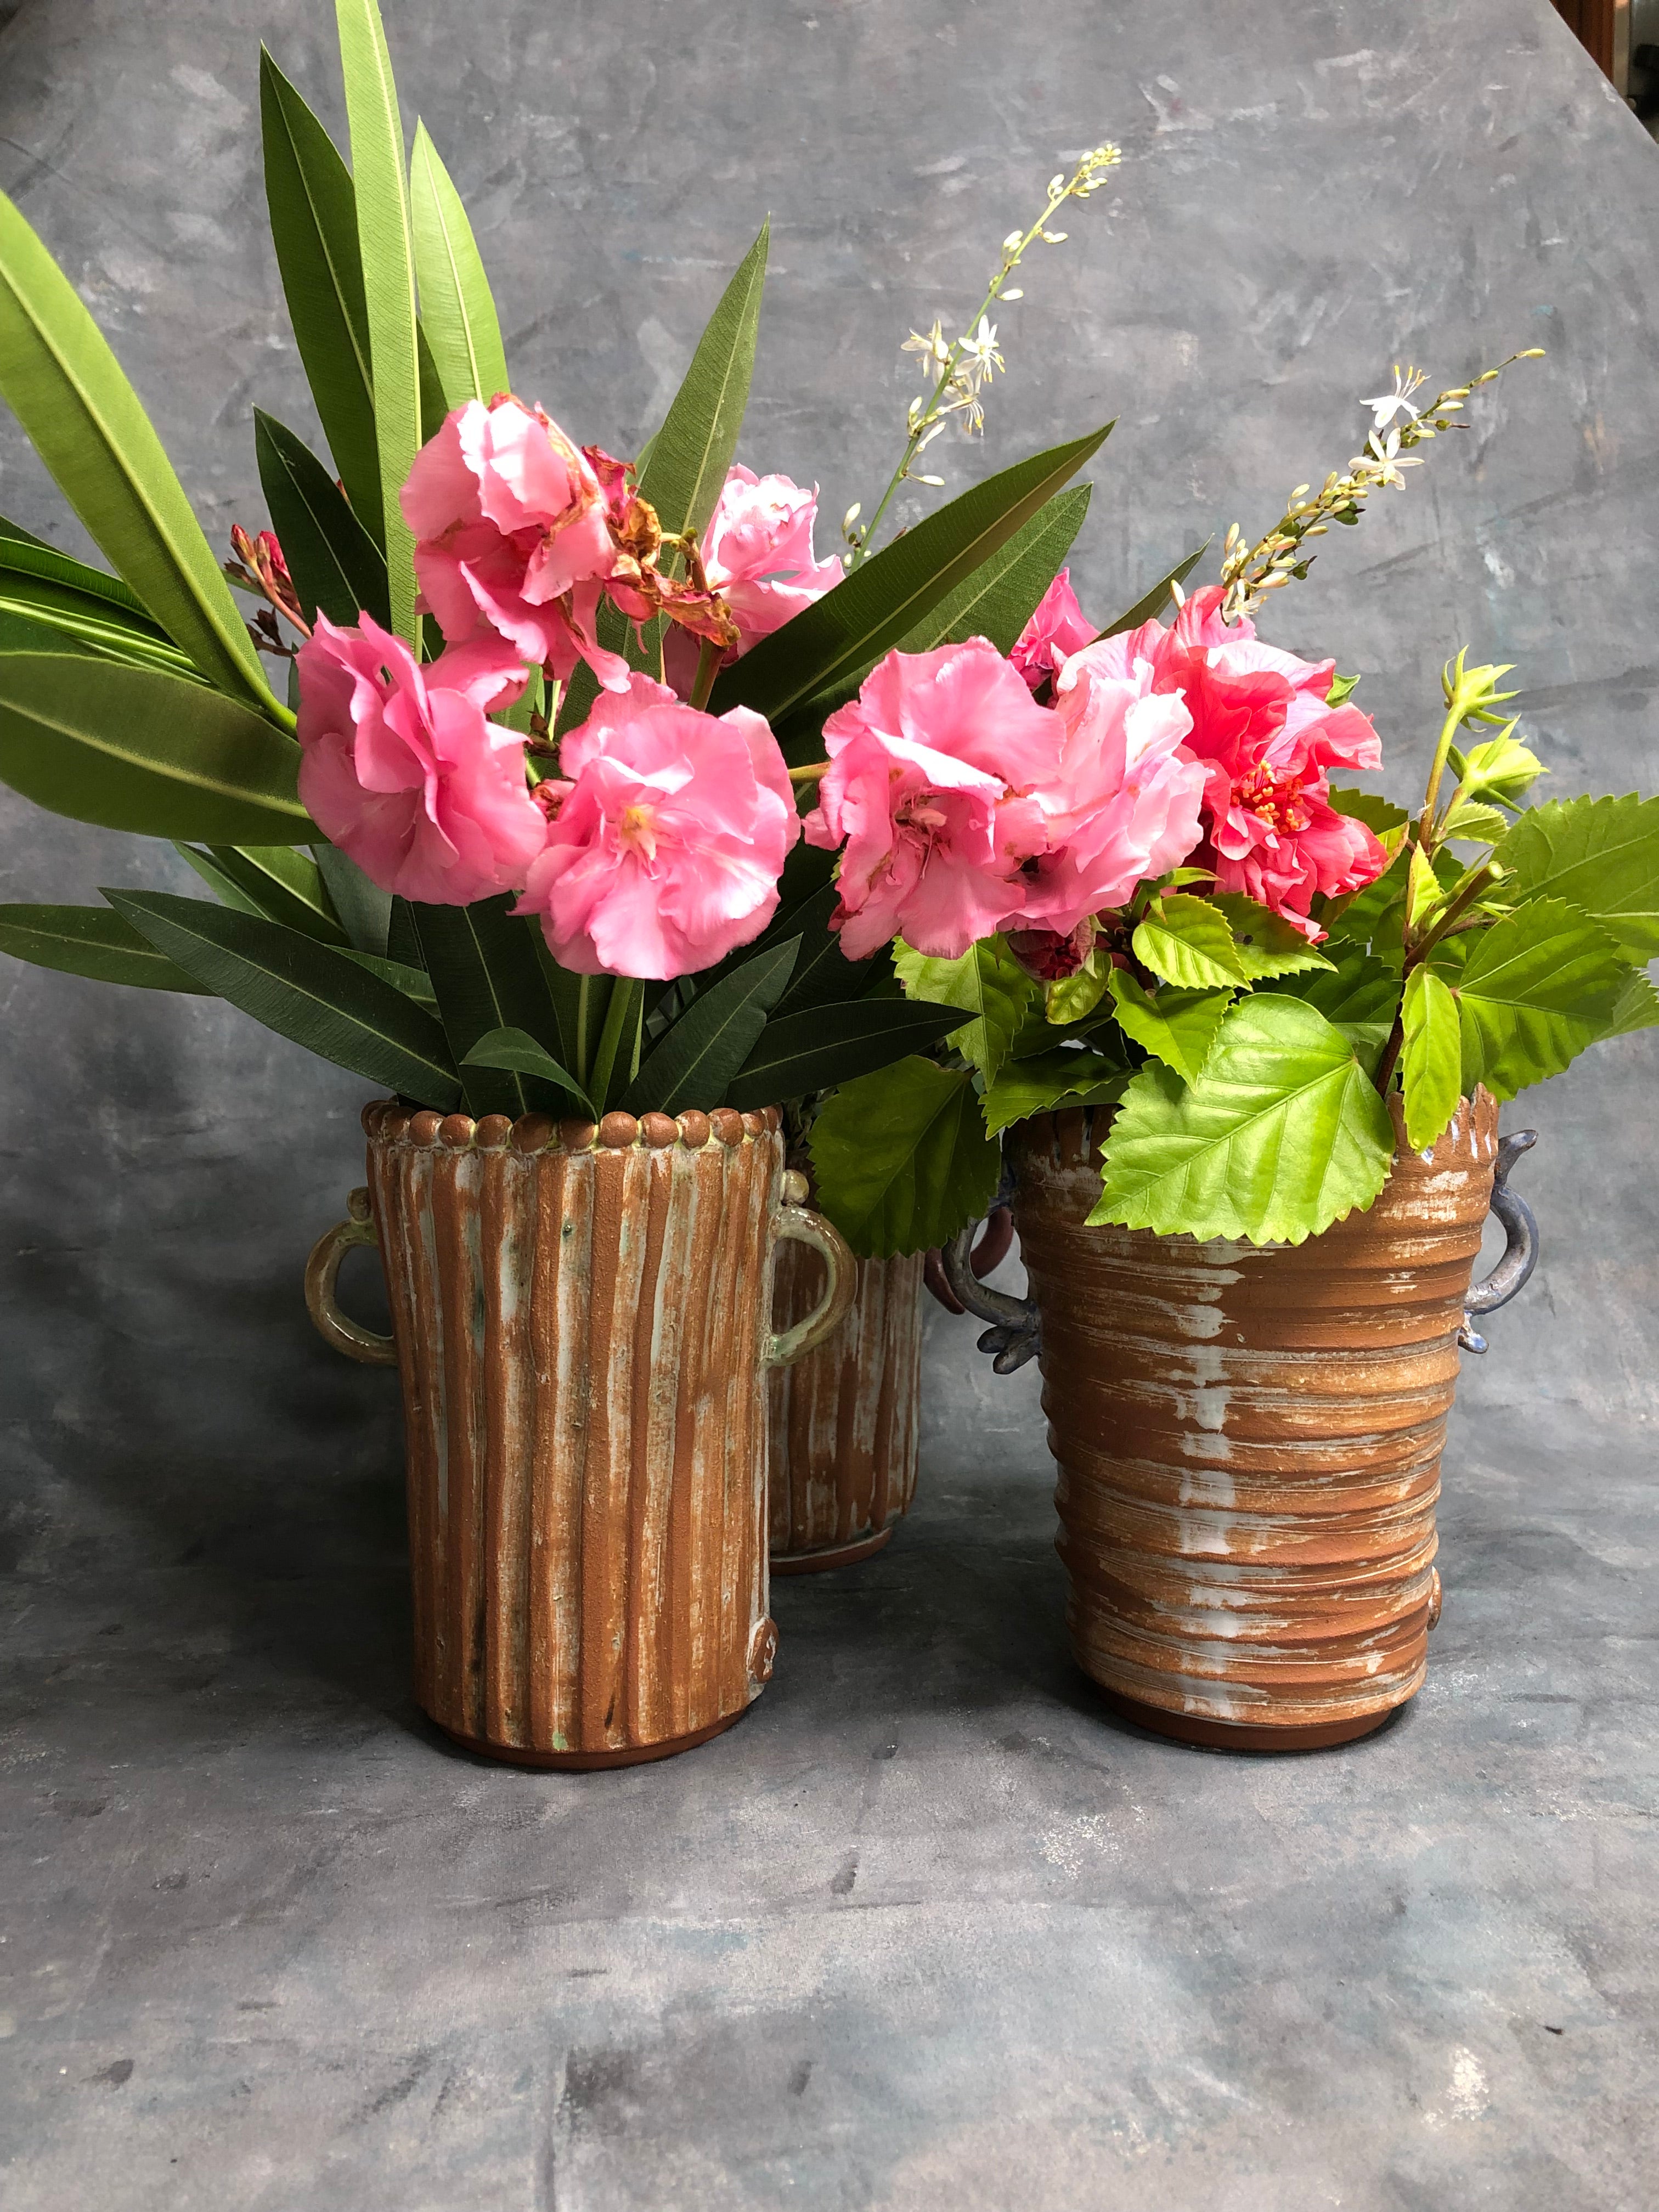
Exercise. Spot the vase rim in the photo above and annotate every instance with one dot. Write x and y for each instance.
(388, 1121)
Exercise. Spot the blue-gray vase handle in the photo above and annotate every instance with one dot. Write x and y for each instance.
(1520, 1250)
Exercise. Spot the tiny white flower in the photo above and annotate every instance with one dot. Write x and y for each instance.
(1388, 404)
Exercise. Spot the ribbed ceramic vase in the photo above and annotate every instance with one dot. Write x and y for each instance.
(1249, 1437)
(581, 1318)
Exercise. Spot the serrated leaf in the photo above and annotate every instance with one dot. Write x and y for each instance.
(1636, 1007)
(84, 420)
(695, 1064)
(802, 1052)
(901, 1158)
(320, 998)
(1539, 985)
(691, 453)
(133, 748)
(1151, 604)
(1377, 915)
(1177, 1027)
(1425, 894)
(1074, 997)
(92, 941)
(987, 982)
(1189, 943)
(456, 310)
(336, 565)
(513, 1051)
(1266, 943)
(1281, 1136)
(1049, 1081)
(1378, 814)
(1432, 1060)
(1472, 823)
(1600, 855)
(1360, 996)
(486, 976)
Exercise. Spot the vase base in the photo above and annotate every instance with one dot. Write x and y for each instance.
(836, 1555)
(1244, 1735)
(584, 1762)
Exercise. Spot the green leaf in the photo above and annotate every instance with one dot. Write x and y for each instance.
(132, 749)
(321, 998)
(1281, 1136)
(881, 602)
(336, 565)
(823, 975)
(696, 1062)
(1049, 1081)
(1600, 855)
(1177, 1027)
(1189, 943)
(1378, 814)
(1002, 594)
(92, 941)
(1636, 1007)
(1377, 915)
(511, 1049)
(83, 418)
(1151, 604)
(365, 910)
(1074, 997)
(1266, 943)
(901, 1160)
(1472, 823)
(45, 618)
(987, 983)
(1431, 1064)
(485, 976)
(1360, 996)
(313, 227)
(807, 1052)
(1342, 690)
(284, 885)
(692, 450)
(385, 241)
(414, 982)
(456, 310)
(1540, 986)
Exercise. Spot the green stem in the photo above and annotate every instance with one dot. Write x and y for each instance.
(810, 773)
(1455, 909)
(626, 999)
(708, 663)
(1449, 730)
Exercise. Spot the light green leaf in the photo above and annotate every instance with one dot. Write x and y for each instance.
(1501, 769)
(321, 998)
(83, 419)
(1600, 855)
(901, 1160)
(1540, 986)
(1177, 1027)
(1074, 997)
(1189, 943)
(512, 1050)
(1342, 690)
(92, 941)
(695, 1064)
(486, 976)
(987, 982)
(1049, 1081)
(1266, 943)
(806, 1051)
(1472, 823)
(692, 450)
(1636, 1007)
(132, 749)
(385, 242)
(456, 306)
(1281, 1135)
(336, 565)
(1431, 1064)
(45, 618)
(1151, 604)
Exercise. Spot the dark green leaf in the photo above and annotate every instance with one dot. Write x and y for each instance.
(365, 910)
(1050, 1080)
(800, 1054)
(901, 1160)
(1360, 996)
(1600, 855)
(1377, 915)
(512, 1050)
(1152, 603)
(89, 940)
(336, 565)
(696, 1062)
(692, 450)
(987, 982)
(823, 975)
(414, 982)
(485, 976)
(284, 885)
(456, 306)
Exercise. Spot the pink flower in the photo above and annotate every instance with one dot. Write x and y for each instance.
(1057, 628)
(670, 831)
(401, 770)
(513, 536)
(931, 783)
(758, 554)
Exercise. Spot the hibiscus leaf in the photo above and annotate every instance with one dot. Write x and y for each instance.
(1636, 1007)
(987, 982)
(1151, 604)
(320, 998)
(1378, 814)
(695, 1063)
(901, 1160)
(485, 976)
(1377, 915)
(802, 1052)
(1049, 1081)
(1189, 943)
(1177, 1027)
(1360, 996)
(1473, 823)
(457, 313)
(692, 451)
(1540, 986)
(1281, 1135)
(1266, 943)
(1431, 1062)
(1600, 855)
(336, 565)
(91, 941)
(517, 1054)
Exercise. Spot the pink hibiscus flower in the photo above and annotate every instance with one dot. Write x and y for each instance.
(1058, 629)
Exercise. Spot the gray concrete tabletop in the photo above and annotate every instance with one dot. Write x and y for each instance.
(928, 1929)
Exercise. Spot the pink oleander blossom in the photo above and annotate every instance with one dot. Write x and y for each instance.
(668, 832)
(513, 536)
(758, 554)
(1057, 629)
(931, 783)
(402, 771)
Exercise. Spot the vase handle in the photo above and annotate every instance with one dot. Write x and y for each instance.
(1016, 1332)
(797, 1224)
(990, 1251)
(1520, 1252)
(323, 1272)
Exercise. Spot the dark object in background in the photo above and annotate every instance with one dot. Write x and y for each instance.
(1603, 27)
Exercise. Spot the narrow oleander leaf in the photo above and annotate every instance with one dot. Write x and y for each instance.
(512, 1050)
(457, 309)
(91, 941)
(1432, 1060)
(1001, 595)
(23, 555)
(1189, 943)
(336, 565)
(987, 983)
(385, 241)
(1636, 1007)
(414, 982)
(83, 418)
(823, 975)
(1177, 1027)
(486, 976)
(1600, 855)
(695, 1063)
(285, 885)
(320, 998)
(1360, 996)
(134, 749)
(365, 910)
(1281, 1135)
(901, 1160)
(799, 1054)
(1266, 943)
(16, 532)
(1540, 986)
(690, 455)
(223, 887)
(1049, 1081)
(313, 227)
(1151, 604)
(48, 617)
